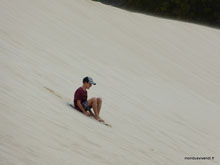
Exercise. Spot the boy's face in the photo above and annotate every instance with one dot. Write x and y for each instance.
(88, 85)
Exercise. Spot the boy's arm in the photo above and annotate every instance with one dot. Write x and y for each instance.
(81, 107)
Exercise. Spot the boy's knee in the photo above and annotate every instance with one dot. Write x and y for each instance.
(94, 99)
(99, 99)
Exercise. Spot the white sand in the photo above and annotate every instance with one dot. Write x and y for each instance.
(159, 80)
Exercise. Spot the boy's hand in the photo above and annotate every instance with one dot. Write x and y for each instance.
(91, 114)
(87, 114)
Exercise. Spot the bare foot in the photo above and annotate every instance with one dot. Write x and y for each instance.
(99, 119)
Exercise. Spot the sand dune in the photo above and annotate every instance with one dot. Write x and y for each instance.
(159, 80)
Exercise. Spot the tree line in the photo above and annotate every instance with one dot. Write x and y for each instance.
(198, 11)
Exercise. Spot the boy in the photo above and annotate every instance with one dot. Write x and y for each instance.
(81, 103)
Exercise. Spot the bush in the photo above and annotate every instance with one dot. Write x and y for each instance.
(199, 11)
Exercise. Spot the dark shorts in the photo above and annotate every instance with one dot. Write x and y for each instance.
(85, 106)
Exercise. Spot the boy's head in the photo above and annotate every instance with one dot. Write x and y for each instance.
(88, 82)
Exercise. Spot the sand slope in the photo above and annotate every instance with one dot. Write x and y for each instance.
(159, 80)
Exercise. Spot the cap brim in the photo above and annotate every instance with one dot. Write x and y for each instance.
(92, 83)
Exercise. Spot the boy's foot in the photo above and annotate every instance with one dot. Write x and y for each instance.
(99, 119)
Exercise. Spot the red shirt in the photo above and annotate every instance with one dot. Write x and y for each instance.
(81, 95)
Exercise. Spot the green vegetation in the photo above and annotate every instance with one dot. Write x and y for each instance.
(198, 11)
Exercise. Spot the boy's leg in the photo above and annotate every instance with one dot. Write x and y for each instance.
(99, 104)
(93, 102)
